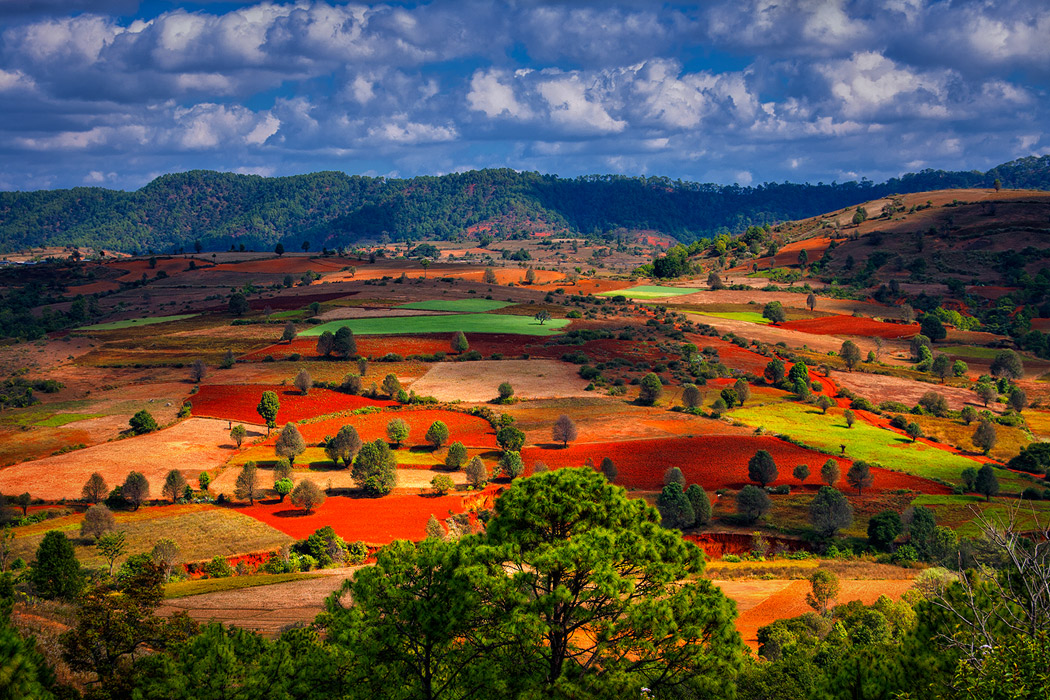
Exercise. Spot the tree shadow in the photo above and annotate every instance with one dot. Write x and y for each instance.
(551, 446)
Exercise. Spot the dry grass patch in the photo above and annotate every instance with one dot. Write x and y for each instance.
(477, 381)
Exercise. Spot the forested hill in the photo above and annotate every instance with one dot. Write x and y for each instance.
(335, 209)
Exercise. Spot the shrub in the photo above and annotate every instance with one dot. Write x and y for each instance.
(142, 423)
(752, 503)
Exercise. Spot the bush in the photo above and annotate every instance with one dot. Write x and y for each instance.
(1031, 494)
(218, 567)
(142, 423)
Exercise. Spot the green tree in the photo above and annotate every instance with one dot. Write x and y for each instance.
(830, 472)
(204, 480)
(986, 392)
(824, 588)
(691, 396)
(761, 468)
(247, 484)
(303, 382)
(510, 439)
(883, 529)
(459, 343)
(344, 343)
(922, 525)
(238, 433)
(238, 304)
(23, 669)
(985, 436)
(850, 354)
(325, 343)
(651, 389)
(969, 478)
(824, 403)
(391, 386)
(56, 573)
(850, 417)
(283, 487)
(599, 581)
(174, 485)
(774, 371)
(742, 390)
(801, 472)
(375, 469)
(290, 443)
(987, 484)
(1007, 364)
(674, 475)
(112, 545)
(476, 472)
(397, 431)
(142, 423)
(942, 367)
(701, 504)
(714, 282)
(676, 510)
(268, 407)
(504, 391)
(279, 249)
(859, 476)
(455, 456)
(609, 470)
(774, 311)
(511, 464)
(542, 316)
(932, 328)
(751, 503)
(437, 434)
(829, 512)
(344, 446)
(914, 431)
(1018, 400)
(98, 520)
(135, 489)
(289, 333)
(307, 495)
(968, 414)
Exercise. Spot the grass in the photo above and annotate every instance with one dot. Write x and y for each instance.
(750, 316)
(460, 305)
(1009, 441)
(134, 323)
(182, 589)
(59, 419)
(200, 531)
(958, 512)
(977, 353)
(648, 291)
(468, 323)
(863, 441)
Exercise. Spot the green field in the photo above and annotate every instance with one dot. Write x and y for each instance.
(749, 316)
(468, 323)
(460, 305)
(59, 419)
(134, 323)
(181, 589)
(648, 291)
(976, 353)
(863, 441)
(957, 512)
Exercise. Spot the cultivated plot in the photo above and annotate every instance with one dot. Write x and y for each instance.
(468, 323)
(478, 381)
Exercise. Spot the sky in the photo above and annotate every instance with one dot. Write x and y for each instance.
(113, 93)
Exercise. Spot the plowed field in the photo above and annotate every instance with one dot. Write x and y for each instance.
(237, 402)
(470, 430)
(852, 325)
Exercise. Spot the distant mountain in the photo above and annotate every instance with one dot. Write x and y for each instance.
(335, 209)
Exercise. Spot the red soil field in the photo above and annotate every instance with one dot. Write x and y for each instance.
(94, 288)
(852, 325)
(372, 520)
(989, 292)
(237, 402)
(136, 268)
(470, 430)
(732, 356)
(713, 461)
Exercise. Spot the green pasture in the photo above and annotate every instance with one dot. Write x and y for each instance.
(959, 512)
(468, 323)
(134, 322)
(975, 352)
(749, 316)
(863, 441)
(460, 305)
(648, 291)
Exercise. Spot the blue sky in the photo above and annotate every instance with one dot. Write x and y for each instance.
(116, 92)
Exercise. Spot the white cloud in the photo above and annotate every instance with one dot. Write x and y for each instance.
(489, 95)
(573, 104)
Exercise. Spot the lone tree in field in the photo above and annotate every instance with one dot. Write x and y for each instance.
(289, 332)
(651, 389)
(268, 407)
(197, 371)
(455, 456)
(986, 392)
(282, 469)
(237, 434)
(811, 301)
(283, 487)
(824, 588)
(829, 512)
(98, 520)
(437, 434)
(95, 489)
(801, 472)
(751, 503)
(476, 472)
(174, 485)
(987, 484)
(459, 343)
(824, 403)
(344, 446)
(397, 431)
(968, 414)
(204, 480)
(564, 430)
(914, 430)
(325, 342)
(142, 423)
(375, 469)
(1018, 399)
(344, 343)
(830, 472)
(850, 354)
(859, 476)
(542, 316)
(110, 546)
(941, 367)
(985, 436)
(352, 385)
(609, 470)
(135, 489)
(303, 382)
(742, 390)
(761, 468)
(247, 486)
(238, 304)
(774, 311)
(290, 443)
(489, 276)
(307, 495)
(714, 282)
(505, 392)
(56, 572)
(1007, 364)
(691, 396)
(391, 386)
(850, 417)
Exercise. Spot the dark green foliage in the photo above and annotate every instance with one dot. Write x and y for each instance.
(142, 423)
(1034, 459)
(135, 489)
(651, 389)
(859, 476)
(751, 503)
(932, 328)
(774, 371)
(344, 446)
(268, 407)
(883, 529)
(921, 531)
(510, 439)
(850, 354)
(375, 469)
(987, 484)
(455, 456)
(343, 343)
(774, 311)
(55, 572)
(238, 305)
(676, 511)
(829, 512)
(761, 468)
(1007, 364)
(701, 504)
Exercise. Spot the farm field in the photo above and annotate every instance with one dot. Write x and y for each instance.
(749, 316)
(478, 381)
(648, 291)
(450, 323)
(237, 402)
(457, 305)
(135, 323)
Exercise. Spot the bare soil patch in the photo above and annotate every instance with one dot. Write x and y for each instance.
(192, 446)
(878, 388)
(477, 381)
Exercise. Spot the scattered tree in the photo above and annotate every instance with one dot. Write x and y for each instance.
(986, 392)
(489, 276)
(268, 407)
(811, 301)
(325, 343)
(391, 386)
(883, 529)
(510, 439)
(829, 512)
(247, 486)
(307, 495)
(564, 430)
(676, 512)
(290, 443)
(774, 371)
(824, 403)
(986, 484)
(238, 304)
(985, 436)
(761, 468)
(701, 504)
(742, 390)
(203, 480)
(830, 473)
(859, 476)
(434, 530)
(165, 554)
(505, 392)
(824, 588)
(1007, 364)
(95, 489)
(135, 489)
(344, 343)
(174, 485)
(850, 417)
(801, 472)
(397, 431)
(98, 520)
(774, 311)
(968, 414)
(511, 465)
(932, 328)
(303, 382)
(913, 430)
(459, 343)
(674, 475)
(238, 433)
(941, 367)
(608, 470)
(476, 473)
(344, 446)
(651, 389)
(142, 423)
(197, 371)
(969, 478)
(283, 487)
(714, 282)
(56, 572)
(112, 545)
(850, 354)
(542, 316)
(691, 396)
(289, 332)
(1018, 399)
(751, 503)
(455, 456)
(375, 469)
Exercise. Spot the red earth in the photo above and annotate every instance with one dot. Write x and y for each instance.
(713, 461)
(731, 355)
(371, 520)
(470, 430)
(237, 402)
(851, 325)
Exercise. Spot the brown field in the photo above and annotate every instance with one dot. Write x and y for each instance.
(879, 388)
(477, 381)
(191, 446)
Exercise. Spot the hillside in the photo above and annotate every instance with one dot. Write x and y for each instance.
(334, 209)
